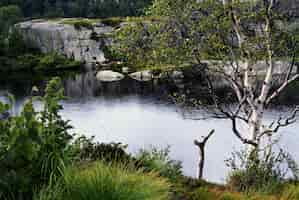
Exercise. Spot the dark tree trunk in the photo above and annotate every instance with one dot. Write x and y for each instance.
(201, 145)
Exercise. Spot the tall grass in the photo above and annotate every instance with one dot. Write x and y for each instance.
(291, 193)
(158, 160)
(107, 182)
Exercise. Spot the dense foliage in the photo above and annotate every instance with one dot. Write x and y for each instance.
(8, 16)
(265, 175)
(34, 145)
(193, 32)
(79, 8)
(159, 161)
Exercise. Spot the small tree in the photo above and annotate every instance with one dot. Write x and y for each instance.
(250, 45)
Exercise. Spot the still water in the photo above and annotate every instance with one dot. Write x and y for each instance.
(141, 115)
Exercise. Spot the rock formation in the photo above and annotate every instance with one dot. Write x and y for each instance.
(57, 36)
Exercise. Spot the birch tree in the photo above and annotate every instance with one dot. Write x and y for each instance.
(251, 45)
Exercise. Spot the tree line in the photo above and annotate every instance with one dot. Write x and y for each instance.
(79, 8)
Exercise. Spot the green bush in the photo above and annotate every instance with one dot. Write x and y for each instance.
(83, 24)
(104, 182)
(9, 15)
(34, 146)
(265, 174)
(88, 151)
(55, 61)
(159, 161)
(113, 21)
(255, 179)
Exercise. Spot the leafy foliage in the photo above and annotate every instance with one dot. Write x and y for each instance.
(9, 15)
(34, 146)
(54, 61)
(265, 175)
(192, 31)
(35, 62)
(89, 151)
(79, 8)
(159, 161)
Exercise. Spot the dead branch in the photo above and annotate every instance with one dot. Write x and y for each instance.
(201, 145)
(281, 88)
(281, 122)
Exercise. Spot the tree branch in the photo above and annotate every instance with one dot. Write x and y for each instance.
(201, 145)
(281, 88)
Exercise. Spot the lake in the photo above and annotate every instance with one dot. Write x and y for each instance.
(142, 115)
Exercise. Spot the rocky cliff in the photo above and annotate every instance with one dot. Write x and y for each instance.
(81, 43)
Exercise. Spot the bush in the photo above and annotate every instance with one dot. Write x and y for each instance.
(88, 151)
(34, 146)
(55, 61)
(113, 21)
(266, 174)
(83, 24)
(103, 182)
(159, 161)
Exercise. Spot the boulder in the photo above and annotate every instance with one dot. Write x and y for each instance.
(145, 75)
(109, 76)
(177, 75)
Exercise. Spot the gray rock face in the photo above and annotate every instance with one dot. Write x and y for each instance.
(56, 36)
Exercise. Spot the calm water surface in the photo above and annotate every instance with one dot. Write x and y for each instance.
(141, 115)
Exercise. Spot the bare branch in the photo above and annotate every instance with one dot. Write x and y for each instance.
(281, 88)
(238, 134)
(201, 145)
(280, 123)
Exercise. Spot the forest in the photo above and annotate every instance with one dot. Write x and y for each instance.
(78, 8)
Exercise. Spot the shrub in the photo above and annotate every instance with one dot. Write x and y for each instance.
(105, 182)
(265, 174)
(159, 161)
(83, 24)
(113, 21)
(55, 61)
(16, 45)
(34, 146)
(88, 150)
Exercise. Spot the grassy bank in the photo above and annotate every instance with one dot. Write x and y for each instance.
(102, 181)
